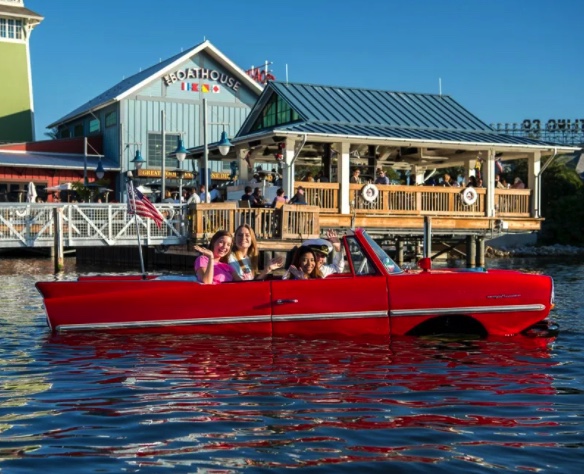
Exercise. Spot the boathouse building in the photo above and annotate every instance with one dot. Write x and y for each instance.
(143, 115)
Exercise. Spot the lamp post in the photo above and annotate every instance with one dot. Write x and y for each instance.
(224, 146)
(181, 154)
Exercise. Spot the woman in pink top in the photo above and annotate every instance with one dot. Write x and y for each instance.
(211, 266)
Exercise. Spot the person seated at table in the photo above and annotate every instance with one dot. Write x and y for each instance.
(472, 182)
(356, 176)
(280, 198)
(245, 254)
(257, 200)
(518, 183)
(381, 177)
(303, 266)
(322, 248)
(299, 197)
(248, 194)
(211, 266)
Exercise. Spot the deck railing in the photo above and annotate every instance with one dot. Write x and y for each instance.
(288, 222)
(417, 200)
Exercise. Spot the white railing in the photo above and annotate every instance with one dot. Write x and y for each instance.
(89, 225)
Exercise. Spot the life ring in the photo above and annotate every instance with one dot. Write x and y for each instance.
(25, 212)
(469, 196)
(370, 192)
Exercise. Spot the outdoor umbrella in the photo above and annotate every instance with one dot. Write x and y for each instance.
(59, 187)
(31, 194)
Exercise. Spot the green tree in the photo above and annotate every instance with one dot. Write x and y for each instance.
(562, 205)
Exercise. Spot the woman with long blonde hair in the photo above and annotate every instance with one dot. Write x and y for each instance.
(245, 255)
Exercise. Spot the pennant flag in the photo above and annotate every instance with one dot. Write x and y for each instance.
(141, 205)
(216, 89)
(205, 87)
(194, 87)
(185, 86)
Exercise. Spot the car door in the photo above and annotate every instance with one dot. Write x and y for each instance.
(347, 304)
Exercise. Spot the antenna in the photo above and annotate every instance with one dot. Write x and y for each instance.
(286, 73)
(440, 86)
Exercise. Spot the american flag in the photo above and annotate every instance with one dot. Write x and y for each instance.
(141, 205)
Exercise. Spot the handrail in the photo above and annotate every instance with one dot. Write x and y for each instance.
(32, 225)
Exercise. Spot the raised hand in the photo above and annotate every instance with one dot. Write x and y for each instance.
(204, 251)
(333, 238)
(275, 263)
(296, 272)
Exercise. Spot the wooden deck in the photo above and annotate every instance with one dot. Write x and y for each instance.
(398, 210)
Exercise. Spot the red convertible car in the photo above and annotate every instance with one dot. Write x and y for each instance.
(372, 297)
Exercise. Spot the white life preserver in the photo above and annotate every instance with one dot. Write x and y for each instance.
(469, 196)
(370, 192)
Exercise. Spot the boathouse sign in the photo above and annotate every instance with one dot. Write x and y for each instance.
(203, 74)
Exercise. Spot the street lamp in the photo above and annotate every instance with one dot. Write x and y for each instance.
(99, 171)
(138, 160)
(224, 145)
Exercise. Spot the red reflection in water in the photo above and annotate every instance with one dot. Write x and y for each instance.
(241, 394)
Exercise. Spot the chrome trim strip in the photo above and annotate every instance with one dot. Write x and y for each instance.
(468, 309)
(328, 316)
(164, 323)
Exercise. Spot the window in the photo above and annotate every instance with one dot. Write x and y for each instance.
(154, 156)
(78, 130)
(111, 119)
(94, 126)
(11, 29)
(276, 112)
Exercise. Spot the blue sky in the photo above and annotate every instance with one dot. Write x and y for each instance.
(504, 60)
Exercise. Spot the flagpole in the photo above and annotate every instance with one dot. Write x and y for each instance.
(133, 197)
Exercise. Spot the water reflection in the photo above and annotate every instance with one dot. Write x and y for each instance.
(326, 402)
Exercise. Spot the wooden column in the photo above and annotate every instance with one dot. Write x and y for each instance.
(489, 183)
(533, 183)
(344, 176)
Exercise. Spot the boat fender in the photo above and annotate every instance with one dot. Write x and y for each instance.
(370, 192)
(469, 196)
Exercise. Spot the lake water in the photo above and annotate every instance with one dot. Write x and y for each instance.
(109, 404)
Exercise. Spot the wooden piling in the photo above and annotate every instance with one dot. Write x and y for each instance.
(59, 254)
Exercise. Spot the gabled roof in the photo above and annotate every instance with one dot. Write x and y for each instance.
(366, 113)
(133, 83)
(19, 12)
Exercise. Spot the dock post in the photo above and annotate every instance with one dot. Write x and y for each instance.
(59, 255)
(400, 251)
(470, 251)
(427, 236)
(480, 257)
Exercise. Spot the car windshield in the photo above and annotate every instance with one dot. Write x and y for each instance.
(387, 262)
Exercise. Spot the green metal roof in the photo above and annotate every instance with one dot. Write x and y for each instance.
(359, 112)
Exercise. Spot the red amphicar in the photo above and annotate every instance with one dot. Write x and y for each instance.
(373, 296)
